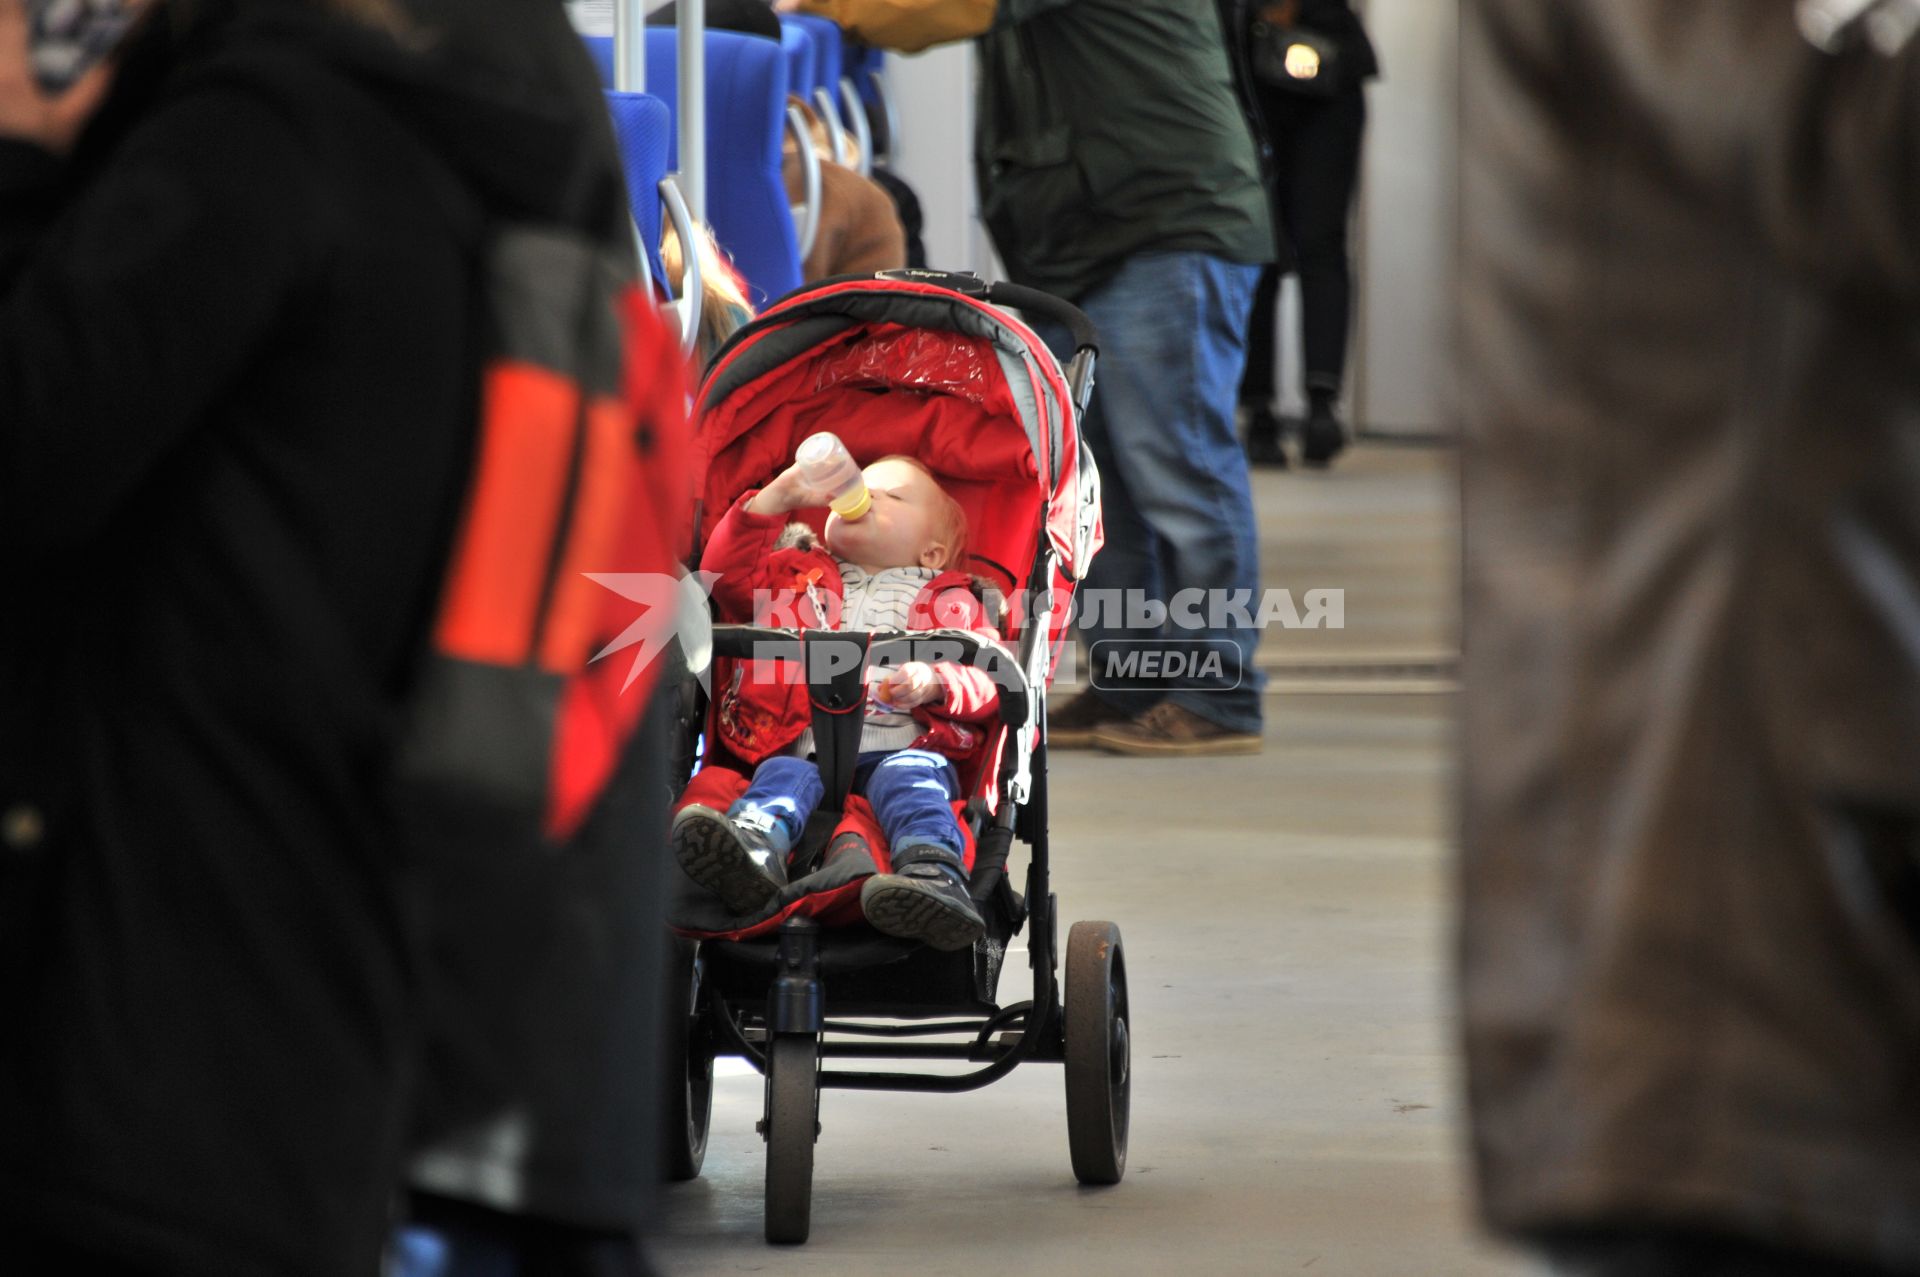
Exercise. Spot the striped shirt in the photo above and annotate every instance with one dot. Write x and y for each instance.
(880, 600)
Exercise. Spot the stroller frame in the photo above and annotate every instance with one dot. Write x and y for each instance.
(788, 1003)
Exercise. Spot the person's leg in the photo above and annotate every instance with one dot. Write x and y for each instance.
(741, 855)
(1327, 156)
(1260, 384)
(911, 792)
(783, 795)
(1127, 567)
(1258, 392)
(1129, 561)
(1173, 330)
(925, 896)
(1257, 389)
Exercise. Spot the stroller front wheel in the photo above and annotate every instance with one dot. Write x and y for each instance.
(792, 1126)
(687, 1087)
(1099, 1055)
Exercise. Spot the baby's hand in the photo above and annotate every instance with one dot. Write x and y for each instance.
(789, 491)
(912, 684)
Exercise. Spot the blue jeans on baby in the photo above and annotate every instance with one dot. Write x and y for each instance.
(911, 792)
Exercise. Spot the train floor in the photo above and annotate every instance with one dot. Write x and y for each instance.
(1286, 920)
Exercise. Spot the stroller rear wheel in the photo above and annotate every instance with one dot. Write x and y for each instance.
(687, 1065)
(1098, 1053)
(792, 1126)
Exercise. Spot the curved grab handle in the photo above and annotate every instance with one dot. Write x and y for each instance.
(692, 289)
(890, 111)
(830, 114)
(862, 131)
(646, 258)
(810, 167)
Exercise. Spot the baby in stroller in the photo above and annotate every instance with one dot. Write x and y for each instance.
(896, 567)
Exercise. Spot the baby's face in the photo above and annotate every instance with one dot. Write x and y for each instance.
(903, 527)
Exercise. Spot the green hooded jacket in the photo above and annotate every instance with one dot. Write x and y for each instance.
(1107, 128)
(1110, 128)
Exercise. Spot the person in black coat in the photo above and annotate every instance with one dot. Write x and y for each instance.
(237, 374)
(1315, 139)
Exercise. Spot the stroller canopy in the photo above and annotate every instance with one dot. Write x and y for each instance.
(901, 366)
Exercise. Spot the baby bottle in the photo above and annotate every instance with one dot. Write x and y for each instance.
(826, 463)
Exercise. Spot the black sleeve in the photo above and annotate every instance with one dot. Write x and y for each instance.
(126, 313)
(29, 197)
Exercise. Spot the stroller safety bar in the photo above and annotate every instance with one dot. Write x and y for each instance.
(767, 643)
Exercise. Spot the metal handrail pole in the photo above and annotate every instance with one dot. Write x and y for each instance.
(693, 105)
(630, 46)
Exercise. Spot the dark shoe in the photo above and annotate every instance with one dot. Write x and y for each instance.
(1263, 440)
(1073, 726)
(1322, 438)
(1265, 451)
(737, 864)
(923, 899)
(1174, 731)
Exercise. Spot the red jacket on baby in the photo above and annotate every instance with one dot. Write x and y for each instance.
(777, 573)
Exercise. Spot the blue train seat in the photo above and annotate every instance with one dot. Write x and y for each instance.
(747, 205)
(862, 62)
(825, 34)
(643, 129)
(799, 49)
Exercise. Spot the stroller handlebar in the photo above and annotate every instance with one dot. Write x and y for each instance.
(1033, 301)
(1012, 296)
(1086, 338)
(829, 652)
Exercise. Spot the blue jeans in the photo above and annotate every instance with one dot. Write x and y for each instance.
(910, 790)
(1176, 502)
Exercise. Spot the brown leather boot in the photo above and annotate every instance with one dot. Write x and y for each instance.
(1173, 731)
(1073, 727)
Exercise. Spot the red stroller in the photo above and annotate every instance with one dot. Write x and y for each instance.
(925, 364)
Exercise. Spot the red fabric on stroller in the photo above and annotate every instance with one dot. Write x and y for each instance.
(895, 366)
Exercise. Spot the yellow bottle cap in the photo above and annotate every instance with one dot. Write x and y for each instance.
(854, 505)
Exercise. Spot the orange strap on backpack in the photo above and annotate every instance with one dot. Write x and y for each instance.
(579, 457)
